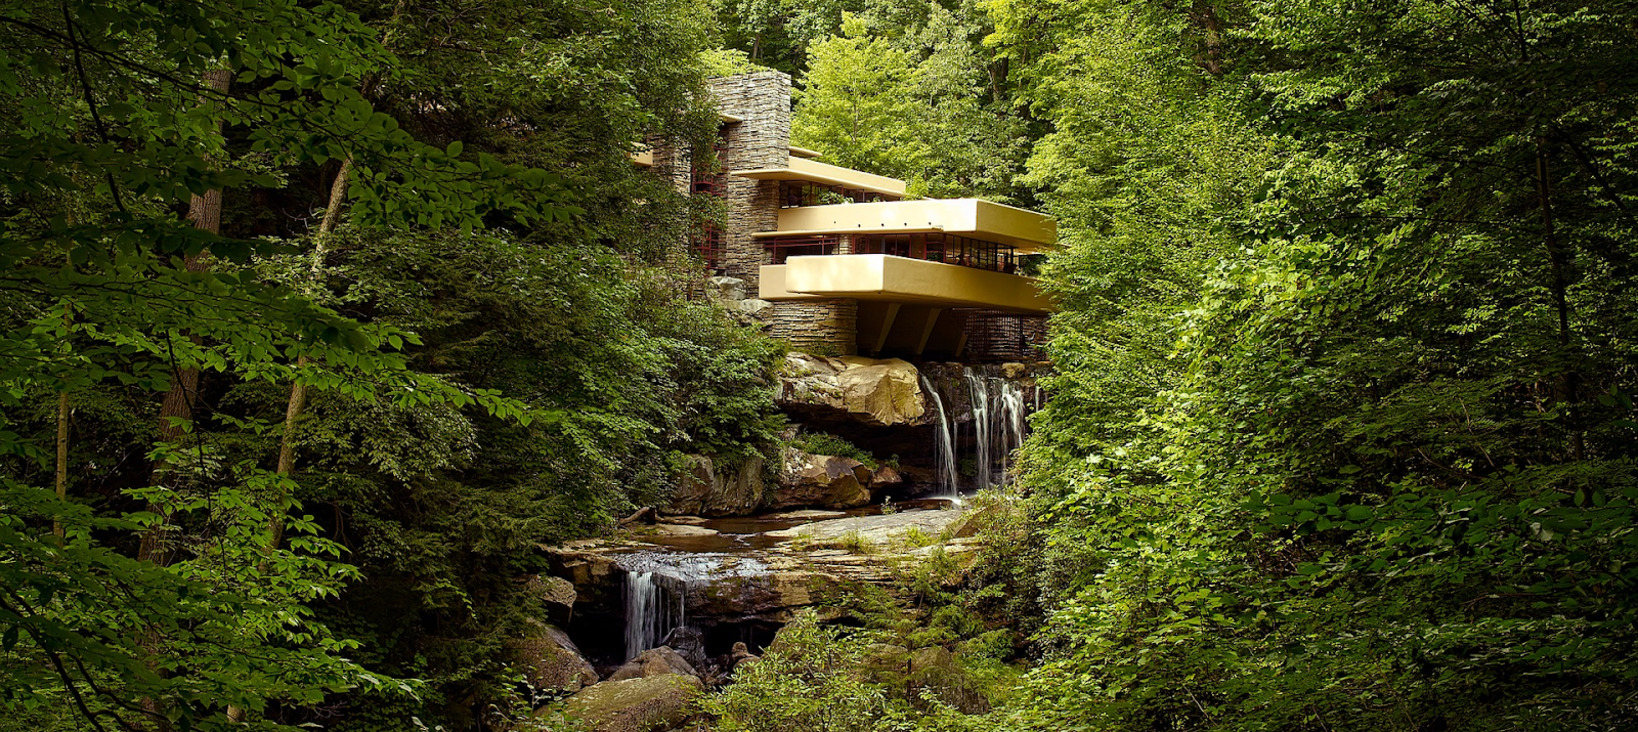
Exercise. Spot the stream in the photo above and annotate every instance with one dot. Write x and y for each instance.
(700, 585)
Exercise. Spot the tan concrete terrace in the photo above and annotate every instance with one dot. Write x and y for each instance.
(813, 171)
(1028, 232)
(881, 277)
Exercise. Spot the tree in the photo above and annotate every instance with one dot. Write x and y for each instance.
(1354, 476)
(100, 299)
(920, 102)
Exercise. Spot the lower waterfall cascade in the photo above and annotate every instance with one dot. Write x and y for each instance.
(655, 605)
(656, 591)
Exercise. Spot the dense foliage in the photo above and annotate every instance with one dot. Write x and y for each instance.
(319, 318)
(270, 268)
(1342, 436)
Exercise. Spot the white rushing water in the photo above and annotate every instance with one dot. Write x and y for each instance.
(978, 390)
(657, 586)
(944, 452)
(998, 410)
(655, 605)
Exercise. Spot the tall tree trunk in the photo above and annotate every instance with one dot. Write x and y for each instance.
(1205, 16)
(298, 391)
(1558, 262)
(62, 459)
(205, 211)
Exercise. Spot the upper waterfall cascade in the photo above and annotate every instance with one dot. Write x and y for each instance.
(981, 417)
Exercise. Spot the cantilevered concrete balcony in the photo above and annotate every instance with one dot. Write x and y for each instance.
(1028, 232)
(884, 278)
(800, 168)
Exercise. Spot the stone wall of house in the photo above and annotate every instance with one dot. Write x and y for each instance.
(817, 326)
(762, 140)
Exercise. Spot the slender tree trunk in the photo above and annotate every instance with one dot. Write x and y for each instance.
(1558, 262)
(205, 211)
(1205, 15)
(62, 459)
(298, 391)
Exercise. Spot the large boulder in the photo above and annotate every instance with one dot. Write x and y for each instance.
(549, 659)
(654, 662)
(877, 392)
(886, 476)
(725, 288)
(644, 704)
(706, 490)
(826, 481)
(556, 593)
(689, 642)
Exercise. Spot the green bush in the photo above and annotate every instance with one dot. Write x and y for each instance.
(807, 680)
(824, 443)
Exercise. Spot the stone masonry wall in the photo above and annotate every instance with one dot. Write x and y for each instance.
(762, 140)
(817, 326)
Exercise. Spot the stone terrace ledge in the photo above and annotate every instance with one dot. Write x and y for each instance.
(880, 277)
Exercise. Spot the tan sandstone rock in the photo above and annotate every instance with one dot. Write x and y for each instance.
(881, 392)
(825, 481)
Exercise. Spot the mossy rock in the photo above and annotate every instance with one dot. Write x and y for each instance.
(649, 704)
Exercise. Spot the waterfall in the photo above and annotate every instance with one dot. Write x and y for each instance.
(657, 587)
(978, 389)
(949, 477)
(998, 408)
(655, 605)
(1012, 421)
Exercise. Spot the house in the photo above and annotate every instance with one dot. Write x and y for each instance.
(849, 266)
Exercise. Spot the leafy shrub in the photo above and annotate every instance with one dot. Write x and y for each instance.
(805, 681)
(824, 443)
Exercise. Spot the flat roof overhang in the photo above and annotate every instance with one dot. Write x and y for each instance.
(813, 171)
(884, 278)
(1027, 231)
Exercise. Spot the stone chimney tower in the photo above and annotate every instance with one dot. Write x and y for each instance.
(756, 134)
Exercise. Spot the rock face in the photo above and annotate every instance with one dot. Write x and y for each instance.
(825, 481)
(556, 593)
(732, 293)
(882, 529)
(706, 491)
(550, 660)
(643, 704)
(775, 596)
(725, 288)
(654, 662)
(877, 392)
